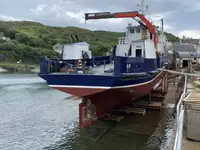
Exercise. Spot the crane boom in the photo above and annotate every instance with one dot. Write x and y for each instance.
(133, 14)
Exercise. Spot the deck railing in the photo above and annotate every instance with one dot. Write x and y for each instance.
(180, 110)
(180, 118)
(54, 65)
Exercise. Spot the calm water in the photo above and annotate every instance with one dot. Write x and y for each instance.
(34, 116)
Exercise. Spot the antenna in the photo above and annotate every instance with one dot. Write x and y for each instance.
(142, 7)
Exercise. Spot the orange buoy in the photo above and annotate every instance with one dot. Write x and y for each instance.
(79, 64)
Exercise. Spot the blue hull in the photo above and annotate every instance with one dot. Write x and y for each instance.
(94, 80)
(121, 78)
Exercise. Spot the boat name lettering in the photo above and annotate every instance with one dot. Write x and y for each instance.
(130, 78)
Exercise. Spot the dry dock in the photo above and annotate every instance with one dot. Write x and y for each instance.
(130, 129)
(190, 131)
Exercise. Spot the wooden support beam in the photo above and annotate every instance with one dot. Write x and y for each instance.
(130, 110)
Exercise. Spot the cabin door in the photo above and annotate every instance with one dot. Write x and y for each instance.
(138, 52)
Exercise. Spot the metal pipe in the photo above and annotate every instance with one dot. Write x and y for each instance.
(179, 145)
(177, 121)
(180, 73)
(187, 97)
(176, 139)
(192, 101)
(185, 86)
(180, 118)
(104, 65)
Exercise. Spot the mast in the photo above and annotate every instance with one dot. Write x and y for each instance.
(142, 7)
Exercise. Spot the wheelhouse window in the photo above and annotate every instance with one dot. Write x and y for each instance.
(144, 33)
(132, 30)
(144, 30)
(137, 30)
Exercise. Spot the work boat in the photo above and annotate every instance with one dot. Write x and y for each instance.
(132, 72)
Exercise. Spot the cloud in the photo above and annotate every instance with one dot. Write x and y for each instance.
(9, 18)
(179, 16)
(40, 8)
(190, 33)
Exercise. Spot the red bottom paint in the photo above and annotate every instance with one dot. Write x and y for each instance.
(106, 99)
(80, 92)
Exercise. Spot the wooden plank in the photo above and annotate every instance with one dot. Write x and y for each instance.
(113, 118)
(130, 110)
(146, 105)
(194, 96)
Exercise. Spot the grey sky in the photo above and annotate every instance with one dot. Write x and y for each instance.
(180, 16)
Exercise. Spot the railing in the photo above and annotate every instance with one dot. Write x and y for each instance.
(180, 108)
(54, 65)
(180, 118)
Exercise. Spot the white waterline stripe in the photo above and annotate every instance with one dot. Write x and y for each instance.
(77, 86)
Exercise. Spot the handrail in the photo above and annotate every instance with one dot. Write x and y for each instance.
(179, 109)
(180, 118)
(53, 65)
(180, 73)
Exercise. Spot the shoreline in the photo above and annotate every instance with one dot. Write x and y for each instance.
(3, 70)
(18, 68)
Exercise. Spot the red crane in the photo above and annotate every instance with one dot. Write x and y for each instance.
(134, 14)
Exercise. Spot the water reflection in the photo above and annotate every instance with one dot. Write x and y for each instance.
(149, 132)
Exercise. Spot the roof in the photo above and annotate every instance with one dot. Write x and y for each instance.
(135, 26)
(78, 43)
(188, 55)
(178, 47)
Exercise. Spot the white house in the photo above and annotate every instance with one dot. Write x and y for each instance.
(75, 51)
(2, 37)
(186, 52)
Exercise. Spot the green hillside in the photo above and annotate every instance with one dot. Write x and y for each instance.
(30, 40)
(171, 37)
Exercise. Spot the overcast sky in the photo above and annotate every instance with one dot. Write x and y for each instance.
(181, 17)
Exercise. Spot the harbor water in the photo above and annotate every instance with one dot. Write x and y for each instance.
(34, 116)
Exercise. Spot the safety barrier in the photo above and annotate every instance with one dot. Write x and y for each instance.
(180, 110)
(180, 118)
(54, 65)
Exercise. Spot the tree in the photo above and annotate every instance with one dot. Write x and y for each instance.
(3, 29)
(22, 38)
(11, 33)
(7, 46)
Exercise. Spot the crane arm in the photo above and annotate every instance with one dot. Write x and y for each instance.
(133, 14)
(105, 15)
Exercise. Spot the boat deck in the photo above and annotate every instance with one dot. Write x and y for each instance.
(98, 70)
